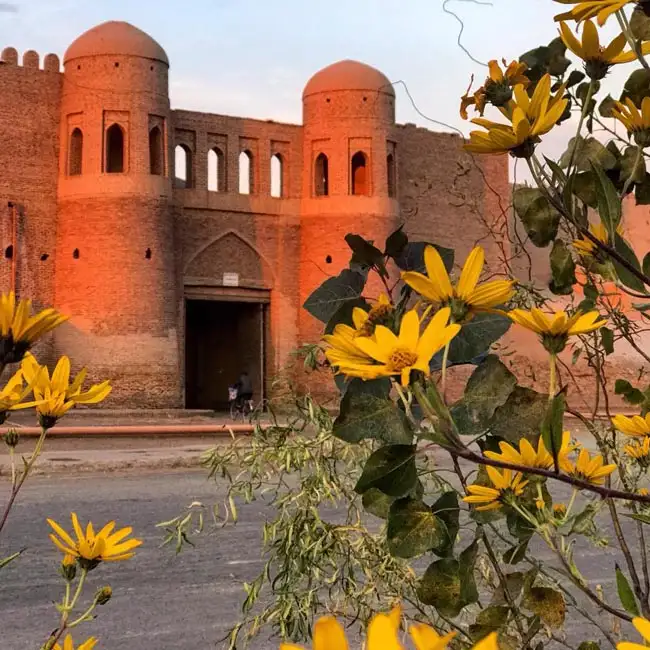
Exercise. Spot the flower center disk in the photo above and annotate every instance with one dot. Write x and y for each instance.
(401, 358)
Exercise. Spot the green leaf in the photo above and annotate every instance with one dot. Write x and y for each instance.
(575, 77)
(475, 339)
(448, 584)
(606, 106)
(625, 275)
(489, 387)
(642, 191)
(491, 619)
(521, 416)
(637, 86)
(390, 469)
(607, 338)
(609, 203)
(583, 522)
(467, 562)
(547, 603)
(412, 257)
(377, 503)
(440, 587)
(589, 645)
(325, 301)
(646, 264)
(633, 165)
(413, 529)
(539, 218)
(589, 151)
(625, 593)
(365, 255)
(552, 427)
(644, 519)
(10, 558)
(584, 187)
(396, 242)
(519, 528)
(558, 173)
(344, 313)
(515, 554)
(514, 582)
(630, 394)
(562, 269)
(365, 414)
(446, 509)
(640, 25)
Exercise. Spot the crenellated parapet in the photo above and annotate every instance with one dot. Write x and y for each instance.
(30, 60)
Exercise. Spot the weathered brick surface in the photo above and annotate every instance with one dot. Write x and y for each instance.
(125, 250)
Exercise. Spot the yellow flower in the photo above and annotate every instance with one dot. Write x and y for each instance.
(635, 426)
(555, 329)
(380, 313)
(383, 635)
(92, 548)
(559, 509)
(530, 118)
(586, 248)
(343, 350)
(598, 60)
(643, 628)
(56, 395)
(506, 487)
(644, 492)
(528, 456)
(399, 355)
(600, 9)
(588, 469)
(639, 451)
(13, 394)
(497, 88)
(466, 298)
(19, 329)
(637, 122)
(88, 644)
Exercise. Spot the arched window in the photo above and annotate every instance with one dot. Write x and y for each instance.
(246, 172)
(156, 151)
(321, 175)
(359, 174)
(75, 153)
(183, 165)
(390, 174)
(216, 170)
(277, 179)
(115, 149)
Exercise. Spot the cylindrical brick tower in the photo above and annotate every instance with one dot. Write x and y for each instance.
(350, 171)
(115, 246)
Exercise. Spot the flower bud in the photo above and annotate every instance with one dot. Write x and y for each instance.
(11, 438)
(103, 595)
(559, 509)
(69, 567)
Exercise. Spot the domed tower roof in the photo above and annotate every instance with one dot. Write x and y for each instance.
(348, 75)
(115, 37)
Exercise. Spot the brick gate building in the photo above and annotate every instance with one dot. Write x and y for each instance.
(177, 277)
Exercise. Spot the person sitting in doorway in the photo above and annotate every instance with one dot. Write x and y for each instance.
(244, 387)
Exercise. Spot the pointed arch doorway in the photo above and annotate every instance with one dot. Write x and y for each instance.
(226, 333)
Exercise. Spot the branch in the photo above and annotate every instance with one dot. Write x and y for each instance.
(604, 492)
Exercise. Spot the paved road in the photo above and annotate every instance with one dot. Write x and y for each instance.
(162, 601)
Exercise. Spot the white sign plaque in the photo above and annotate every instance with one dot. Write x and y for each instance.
(231, 279)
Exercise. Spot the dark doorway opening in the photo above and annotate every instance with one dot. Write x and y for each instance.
(222, 340)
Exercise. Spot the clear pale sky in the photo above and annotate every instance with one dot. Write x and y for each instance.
(252, 57)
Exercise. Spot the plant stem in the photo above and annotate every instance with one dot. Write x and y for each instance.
(552, 378)
(69, 605)
(443, 378)
(28, 467)
(583, 115)
(571, 502)
(625, 28)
